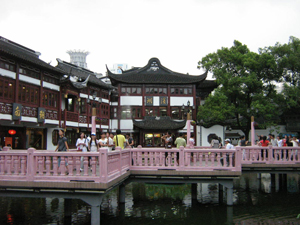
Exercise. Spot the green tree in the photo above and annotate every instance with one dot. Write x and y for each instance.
(246, 87)
(287, 57)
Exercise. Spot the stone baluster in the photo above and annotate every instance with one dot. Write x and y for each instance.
(77, 165)
(40, 165)
(55, 165)
(8, 164)
(23, 164)
(85, 165)
(48, 165)
(31, 167)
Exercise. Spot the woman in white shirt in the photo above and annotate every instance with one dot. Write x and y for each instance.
(81, 145)
(110, 138)
(93, 145)
(103, 142)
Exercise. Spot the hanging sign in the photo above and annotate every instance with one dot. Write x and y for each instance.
(41, 115)
(17, 111)
(163, 101)
(149, 100)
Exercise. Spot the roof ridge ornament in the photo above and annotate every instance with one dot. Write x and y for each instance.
(78, 84)
(154, 66)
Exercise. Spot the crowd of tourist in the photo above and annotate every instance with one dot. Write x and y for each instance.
(290, 140)
(263, 141)
(91, 144)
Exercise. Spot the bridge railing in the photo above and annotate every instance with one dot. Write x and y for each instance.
(185, 159)
(269, 155)
(104, 166)
(41, 165)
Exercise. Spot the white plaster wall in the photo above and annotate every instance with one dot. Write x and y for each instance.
(114, 124)
(155, 101)
(29, 119)
(82, 95)
(179, 101)
(7, 73)
(126, 124)
(29, 80)
(131, 100)
(51, 86)
(5, 116)
(72, 124)
(104, 100)
(82, 125)
(203, 132)
(50, 146)
(48, 121)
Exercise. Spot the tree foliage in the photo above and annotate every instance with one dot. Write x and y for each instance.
(287, 57)
(246, 87)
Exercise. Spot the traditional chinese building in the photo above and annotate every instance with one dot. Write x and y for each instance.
(36, 99)
(29, 96)
(153, 99)
(81, 91)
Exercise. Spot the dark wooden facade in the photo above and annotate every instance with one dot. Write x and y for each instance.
(43, 90)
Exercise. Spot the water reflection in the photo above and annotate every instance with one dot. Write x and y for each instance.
(258, 199)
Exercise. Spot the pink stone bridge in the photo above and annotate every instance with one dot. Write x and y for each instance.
(103, 169)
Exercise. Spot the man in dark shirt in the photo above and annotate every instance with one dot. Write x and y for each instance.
(243, 141)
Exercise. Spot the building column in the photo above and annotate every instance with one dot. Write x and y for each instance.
(229, 196)
(94, 201)
(95, 214)
(229, 191)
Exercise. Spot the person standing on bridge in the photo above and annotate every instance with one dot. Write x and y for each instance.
(103, 141)
(180, 141)
(62, 145)
(119, 139)
(93, 144)
(82, 145)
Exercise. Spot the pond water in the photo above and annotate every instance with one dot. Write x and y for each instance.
(256, 201)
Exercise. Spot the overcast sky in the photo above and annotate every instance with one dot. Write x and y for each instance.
(179, 33)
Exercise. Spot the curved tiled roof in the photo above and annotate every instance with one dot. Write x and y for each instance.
(20, 52)
(154, 73)
(82, 73)
(159, 123)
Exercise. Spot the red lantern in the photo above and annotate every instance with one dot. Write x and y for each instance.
(12, 132)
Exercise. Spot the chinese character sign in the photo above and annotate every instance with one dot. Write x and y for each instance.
(163, 101)
(41, 115)
(17, 111)
(149, 100)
